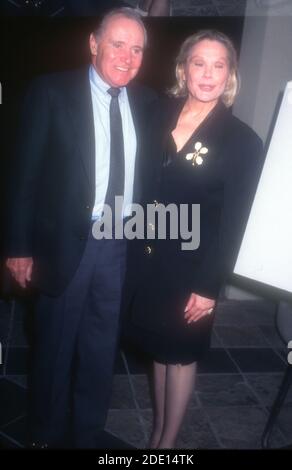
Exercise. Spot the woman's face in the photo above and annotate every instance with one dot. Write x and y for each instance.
(206, 71)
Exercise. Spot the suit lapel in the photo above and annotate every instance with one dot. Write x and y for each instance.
(138, 111)
(81, 113)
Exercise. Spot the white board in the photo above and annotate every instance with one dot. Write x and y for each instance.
(266, 251)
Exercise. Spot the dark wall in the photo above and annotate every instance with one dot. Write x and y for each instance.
(34, 45)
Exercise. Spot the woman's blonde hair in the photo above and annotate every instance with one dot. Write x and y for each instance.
(233, 82)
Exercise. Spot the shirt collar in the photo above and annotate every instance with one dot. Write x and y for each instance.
(101, 85)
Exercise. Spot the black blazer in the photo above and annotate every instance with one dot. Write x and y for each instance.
(224, 186)
(53, 179)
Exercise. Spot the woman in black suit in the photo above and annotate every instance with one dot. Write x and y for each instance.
(209, 158)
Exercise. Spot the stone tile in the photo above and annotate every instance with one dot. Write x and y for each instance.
(257, 360)
(229, 318)
(277, 441)
(122, 397)
(194, 401)
(7, 443)
(17, 431)
(109, 441)
(230, 312)
(225, 305)
(248, 312)
(261, 312)
(284, 422)
(142, 393)
(215, 341)
(195, 433)
(283, 354)
(240, 427)
(13, 402)
(18, 380)
(241, 336)
(266, 386)
(224, 390)
(142, 390)
(272, 336)
(126, 425)
(217, 361)
(261, 305)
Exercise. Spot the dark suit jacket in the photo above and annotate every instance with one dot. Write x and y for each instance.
(224, 186)
(53, 180)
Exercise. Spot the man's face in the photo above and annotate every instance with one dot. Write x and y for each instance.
(117, 53)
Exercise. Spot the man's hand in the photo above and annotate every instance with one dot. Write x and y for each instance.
(20, 269)
(197, 307)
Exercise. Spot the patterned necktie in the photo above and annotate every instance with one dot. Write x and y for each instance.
(117, 160)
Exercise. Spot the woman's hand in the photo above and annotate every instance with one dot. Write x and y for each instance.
(198, 307)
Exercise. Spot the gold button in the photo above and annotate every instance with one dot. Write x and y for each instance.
(148, 250)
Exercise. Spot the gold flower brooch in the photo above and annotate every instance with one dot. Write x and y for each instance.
(198, 154)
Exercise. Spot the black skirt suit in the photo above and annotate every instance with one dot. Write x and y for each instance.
(223, 181)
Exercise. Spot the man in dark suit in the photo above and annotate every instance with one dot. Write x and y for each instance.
(77, 129)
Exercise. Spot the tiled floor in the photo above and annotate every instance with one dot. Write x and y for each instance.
(236, 384)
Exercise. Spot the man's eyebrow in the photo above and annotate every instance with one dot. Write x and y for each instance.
(135, 46)
(117, 41)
